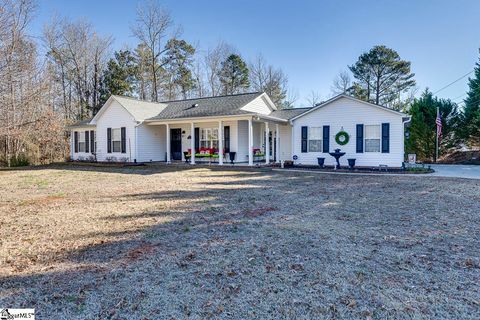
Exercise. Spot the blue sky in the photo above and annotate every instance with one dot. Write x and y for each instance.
(312, 41)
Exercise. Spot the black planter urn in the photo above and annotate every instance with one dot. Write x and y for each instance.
(351, 163)
(321, 162)
(232, 154)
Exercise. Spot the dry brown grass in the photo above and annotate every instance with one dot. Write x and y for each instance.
(157, 242)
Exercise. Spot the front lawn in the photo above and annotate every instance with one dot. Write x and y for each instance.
(190, 242)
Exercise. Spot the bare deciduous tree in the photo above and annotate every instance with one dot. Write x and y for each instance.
(24, 92)
(152, 26)
(213, 64)
(266, 78)
(342, 83)
(314, 98)
(78, 56)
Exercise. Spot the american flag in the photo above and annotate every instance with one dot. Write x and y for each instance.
(438, 121)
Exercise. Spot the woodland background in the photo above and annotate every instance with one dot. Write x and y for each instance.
(40, 94)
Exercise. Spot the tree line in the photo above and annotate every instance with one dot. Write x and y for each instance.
(41, 93)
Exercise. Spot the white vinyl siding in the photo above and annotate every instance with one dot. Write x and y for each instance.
(372, 138)
(151, 143)
(347, 113)
(315, 139)
(115, 117)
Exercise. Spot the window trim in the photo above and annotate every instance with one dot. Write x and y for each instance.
(119, 140)
(365, 138)
(81, 139)
(320, 131)
(206, 135)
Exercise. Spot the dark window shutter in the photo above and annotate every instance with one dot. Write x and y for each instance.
(304, 139)
(109, 140)
(197, 139)
(124, 139)
(75, 141)
(87, 140)
(326, 138)
(385, 137)
(359, 138)
(226, 138)
(92, 141)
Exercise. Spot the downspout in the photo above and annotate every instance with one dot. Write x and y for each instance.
(292, 142)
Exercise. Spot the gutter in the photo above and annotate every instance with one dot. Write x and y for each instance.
(212, 118)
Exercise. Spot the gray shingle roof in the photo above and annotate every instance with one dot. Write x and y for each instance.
(288, 114)
(211, 106)
(82, 123)
(140, 109)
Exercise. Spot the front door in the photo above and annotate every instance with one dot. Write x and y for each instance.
(176, 144)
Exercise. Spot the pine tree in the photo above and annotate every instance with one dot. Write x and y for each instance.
(178, 64)
(423, 128)
(382, 76)
(119, 77)
(471, 114)
(234, 75)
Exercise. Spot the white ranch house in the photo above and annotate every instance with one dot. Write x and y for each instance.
(247, 127)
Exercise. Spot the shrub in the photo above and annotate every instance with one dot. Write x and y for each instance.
(19, 161)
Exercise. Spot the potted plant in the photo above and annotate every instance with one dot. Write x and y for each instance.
(321, 162)
(351, 163)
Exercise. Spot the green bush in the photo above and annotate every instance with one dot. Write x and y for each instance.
(19, 161)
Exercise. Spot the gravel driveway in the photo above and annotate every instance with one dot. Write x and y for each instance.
(195, 243)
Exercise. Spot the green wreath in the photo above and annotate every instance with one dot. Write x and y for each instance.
(342, 138)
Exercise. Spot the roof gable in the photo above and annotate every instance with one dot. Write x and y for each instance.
(261, 104)
(344, 96)
(138, 109)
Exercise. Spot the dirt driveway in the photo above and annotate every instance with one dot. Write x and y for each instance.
(161, 243)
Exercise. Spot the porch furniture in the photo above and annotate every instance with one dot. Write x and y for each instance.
(337, 155)
(321, 162)
(288, 164)
(351, 163)
(232, 154)
(187, 156)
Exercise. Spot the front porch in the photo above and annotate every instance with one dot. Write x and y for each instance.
(246, 140)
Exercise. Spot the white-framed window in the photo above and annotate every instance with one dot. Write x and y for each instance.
(81, 141)
(315, 139)
(372, 138)
(209, 138)
(116, 140)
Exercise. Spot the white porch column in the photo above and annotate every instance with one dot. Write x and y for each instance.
(220, 142)
(192, 142)
(168, 143)
(250, 142)
(267, 143)
(277, 144)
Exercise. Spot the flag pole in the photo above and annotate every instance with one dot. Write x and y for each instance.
(436, 141)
